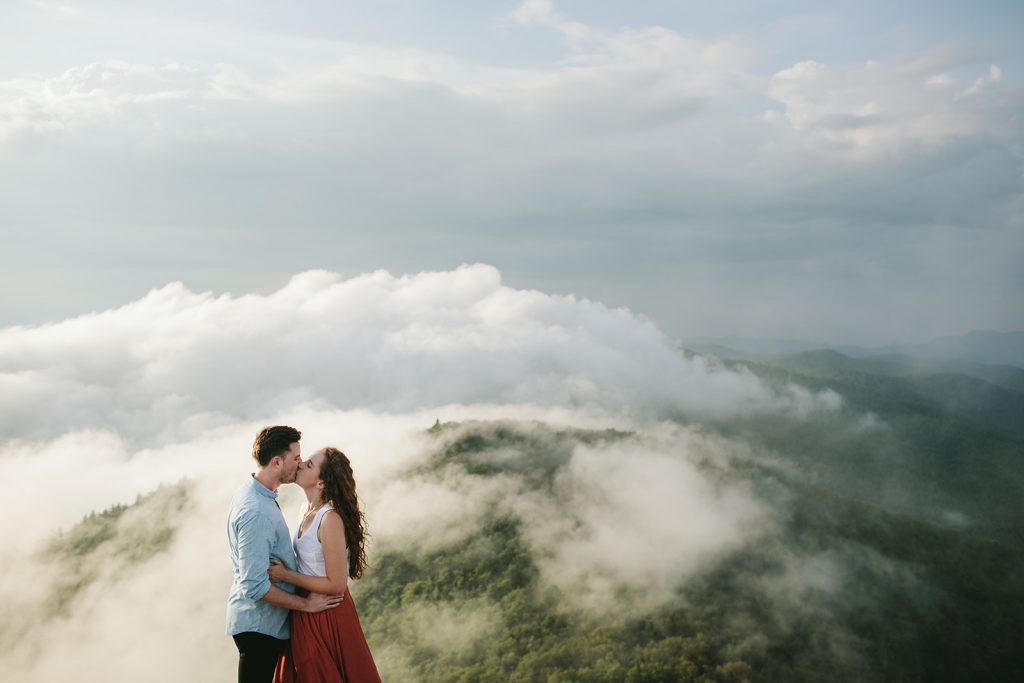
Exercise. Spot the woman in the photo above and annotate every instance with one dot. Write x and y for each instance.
(330, 547)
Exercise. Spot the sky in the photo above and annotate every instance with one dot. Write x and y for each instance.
(836, 171)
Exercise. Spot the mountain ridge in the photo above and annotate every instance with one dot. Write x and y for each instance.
(985, 347)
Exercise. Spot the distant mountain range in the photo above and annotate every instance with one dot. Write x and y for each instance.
(987, 347)
(896, 365)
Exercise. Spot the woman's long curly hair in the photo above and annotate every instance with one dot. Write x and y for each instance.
(340, 492)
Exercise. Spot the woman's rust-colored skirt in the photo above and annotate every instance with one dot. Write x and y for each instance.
(328, 647)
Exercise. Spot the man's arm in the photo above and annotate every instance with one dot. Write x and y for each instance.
(314, 602)
(253, 547)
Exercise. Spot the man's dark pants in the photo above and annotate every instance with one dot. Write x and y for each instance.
(257, 656)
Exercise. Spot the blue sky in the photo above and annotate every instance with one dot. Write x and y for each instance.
(835, 171)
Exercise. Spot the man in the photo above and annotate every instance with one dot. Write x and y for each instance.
(258, 609)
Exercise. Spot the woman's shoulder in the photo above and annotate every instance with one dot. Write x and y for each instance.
(332, 523)
(331, 516)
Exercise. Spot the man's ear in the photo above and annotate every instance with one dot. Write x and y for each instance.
(276, 462)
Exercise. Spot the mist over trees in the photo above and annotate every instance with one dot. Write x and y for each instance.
(840, 589)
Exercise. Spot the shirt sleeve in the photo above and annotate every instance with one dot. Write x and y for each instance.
(254, 547)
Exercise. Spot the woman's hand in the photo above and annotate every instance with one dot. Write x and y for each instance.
(278, 572)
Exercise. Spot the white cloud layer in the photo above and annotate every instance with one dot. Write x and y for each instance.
(176, 361)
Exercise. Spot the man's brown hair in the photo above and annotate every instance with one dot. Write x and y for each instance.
(273, 441)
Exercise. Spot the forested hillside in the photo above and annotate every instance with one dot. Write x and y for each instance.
(842, 590)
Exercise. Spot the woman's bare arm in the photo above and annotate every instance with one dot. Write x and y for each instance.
(332, 539)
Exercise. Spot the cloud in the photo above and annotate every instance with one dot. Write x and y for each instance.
(175, 360)
(448, 630)
(994, 76)
(91, 94)
(633, 522)
(872, 109)
(534, 11)
(632, 518)
(865, 107)
(680, 69)
(56, 10)
(543, 13)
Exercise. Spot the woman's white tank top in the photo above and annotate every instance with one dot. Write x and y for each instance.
(309, 553)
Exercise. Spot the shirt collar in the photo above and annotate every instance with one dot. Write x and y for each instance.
(261, 489)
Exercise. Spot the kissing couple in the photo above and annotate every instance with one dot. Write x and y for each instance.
(289, 610)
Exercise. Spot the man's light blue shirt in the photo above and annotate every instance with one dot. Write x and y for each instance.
(256, 533)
